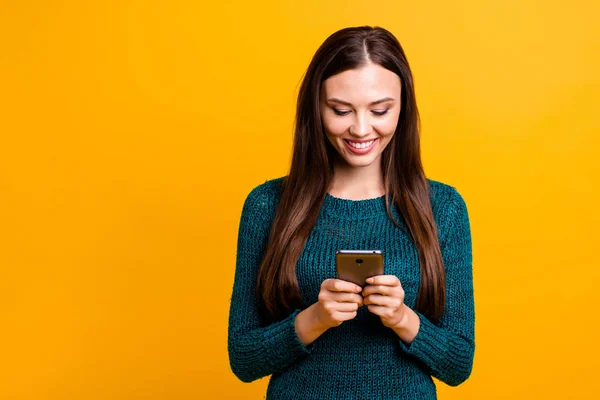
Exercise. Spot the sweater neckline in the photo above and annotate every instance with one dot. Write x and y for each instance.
(355, 209)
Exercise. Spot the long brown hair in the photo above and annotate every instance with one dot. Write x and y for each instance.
(311, 173)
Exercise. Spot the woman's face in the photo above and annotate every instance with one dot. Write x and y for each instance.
(361, 106)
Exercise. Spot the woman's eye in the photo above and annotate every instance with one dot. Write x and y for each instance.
(380, 112)
(338, 112)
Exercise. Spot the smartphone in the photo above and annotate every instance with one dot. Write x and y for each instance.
(357, 265)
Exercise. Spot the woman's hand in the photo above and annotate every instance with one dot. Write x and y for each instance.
(383, 295)
(339, 301)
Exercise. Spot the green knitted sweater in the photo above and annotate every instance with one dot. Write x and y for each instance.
(361, 358)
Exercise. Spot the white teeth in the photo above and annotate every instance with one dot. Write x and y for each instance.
(361, 145)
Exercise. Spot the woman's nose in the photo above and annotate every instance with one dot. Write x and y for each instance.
(361, 126)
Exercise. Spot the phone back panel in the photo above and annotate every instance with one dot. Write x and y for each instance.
(350, 268)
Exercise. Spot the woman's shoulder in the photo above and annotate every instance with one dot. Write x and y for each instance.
(448, 206)
(444, 197)
(263, 198)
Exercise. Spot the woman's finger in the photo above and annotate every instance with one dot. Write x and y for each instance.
(338, 285)
(387, 280)
(379, 310)
(381, 289)
(347, 297)
(385, 301)
(346, 307)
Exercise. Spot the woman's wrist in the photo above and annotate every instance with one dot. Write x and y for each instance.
(408, 327)
(308, 325)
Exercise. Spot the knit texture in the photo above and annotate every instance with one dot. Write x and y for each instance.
(361, 358)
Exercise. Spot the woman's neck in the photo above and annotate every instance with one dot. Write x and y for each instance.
(357, 183)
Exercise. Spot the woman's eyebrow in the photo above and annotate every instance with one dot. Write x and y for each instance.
(333, 99)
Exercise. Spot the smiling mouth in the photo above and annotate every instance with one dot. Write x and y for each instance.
(360, 148)
(360, 145)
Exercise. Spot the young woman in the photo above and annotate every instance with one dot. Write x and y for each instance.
(356, 182)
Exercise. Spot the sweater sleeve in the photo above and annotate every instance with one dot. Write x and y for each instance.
(446, 349)
(256, 351)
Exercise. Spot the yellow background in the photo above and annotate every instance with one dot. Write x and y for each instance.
(132, 131)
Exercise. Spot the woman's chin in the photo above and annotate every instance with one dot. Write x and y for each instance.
(359, 161)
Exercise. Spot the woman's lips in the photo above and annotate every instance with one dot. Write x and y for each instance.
(360, 151)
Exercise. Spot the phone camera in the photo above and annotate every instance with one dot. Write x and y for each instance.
(359, 260)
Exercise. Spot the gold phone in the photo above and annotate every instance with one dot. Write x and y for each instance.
(357, 265)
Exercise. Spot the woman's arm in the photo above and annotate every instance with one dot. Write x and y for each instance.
(256, 351)
(446, 349)
(308, 326)
(409, 326)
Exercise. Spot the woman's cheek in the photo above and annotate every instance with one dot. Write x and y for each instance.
(337, 129)
(388, 126)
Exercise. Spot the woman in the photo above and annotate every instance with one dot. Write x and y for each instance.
(356, 182)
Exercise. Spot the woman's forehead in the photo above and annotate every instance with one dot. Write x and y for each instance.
(367, 84)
